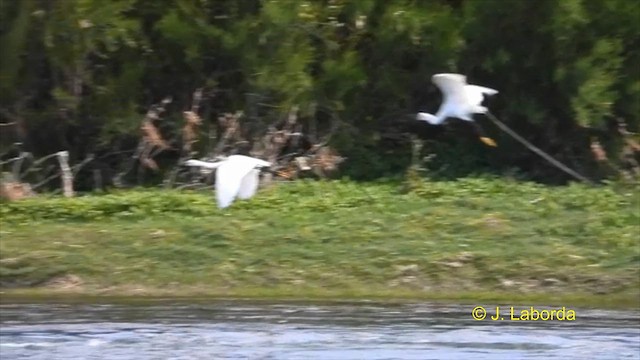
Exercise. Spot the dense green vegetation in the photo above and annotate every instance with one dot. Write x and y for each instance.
(78, 75)
(477, 239)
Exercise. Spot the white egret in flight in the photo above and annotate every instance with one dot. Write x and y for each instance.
(460, 101)
(236, 176)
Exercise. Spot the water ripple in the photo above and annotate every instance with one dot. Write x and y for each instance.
(239, 330)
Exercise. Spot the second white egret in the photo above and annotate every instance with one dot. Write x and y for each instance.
(236, 176)
(460, 100)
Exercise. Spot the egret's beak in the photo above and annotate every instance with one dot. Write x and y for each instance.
(488, 141)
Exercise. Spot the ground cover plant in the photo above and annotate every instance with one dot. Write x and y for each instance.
(471, 238)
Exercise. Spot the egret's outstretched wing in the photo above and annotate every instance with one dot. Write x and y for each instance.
(251, 180)
(475, 94)
(237, 176)
(484, 90)
(452, 87)
(249, 184)
(228, 181)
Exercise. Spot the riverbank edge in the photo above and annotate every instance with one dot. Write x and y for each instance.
(627, 300)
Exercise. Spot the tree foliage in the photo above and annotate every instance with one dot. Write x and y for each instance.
(79, 75)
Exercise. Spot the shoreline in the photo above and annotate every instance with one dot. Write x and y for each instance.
(620, 301)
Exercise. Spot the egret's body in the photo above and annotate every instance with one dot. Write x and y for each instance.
(460, 100)
(236, 176)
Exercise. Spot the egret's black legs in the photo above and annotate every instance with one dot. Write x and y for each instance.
(536, 150)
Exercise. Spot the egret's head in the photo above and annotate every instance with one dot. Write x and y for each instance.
(431, 119)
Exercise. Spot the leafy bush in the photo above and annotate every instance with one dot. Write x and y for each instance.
(310, 195)
(133, 204)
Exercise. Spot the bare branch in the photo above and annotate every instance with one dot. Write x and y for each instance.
(76, 168)
(18, 164)
(117, 180)
(270, 143)
(231, 124)
(189, 135)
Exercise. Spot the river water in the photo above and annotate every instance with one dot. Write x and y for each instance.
(250, 330)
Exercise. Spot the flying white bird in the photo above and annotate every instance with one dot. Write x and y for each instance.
(236, 176)
(460, 101)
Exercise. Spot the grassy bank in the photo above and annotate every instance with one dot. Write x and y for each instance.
(474, 239)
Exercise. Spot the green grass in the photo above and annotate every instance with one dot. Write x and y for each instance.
(472, 239)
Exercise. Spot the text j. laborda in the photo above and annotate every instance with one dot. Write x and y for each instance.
(510, 313)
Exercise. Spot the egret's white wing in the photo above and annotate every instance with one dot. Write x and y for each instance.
(229, 180)
(237, 176)
(484, 90)
(249, 184)
(475, 93)
(251, 180)
(227, 184)
(451, 85)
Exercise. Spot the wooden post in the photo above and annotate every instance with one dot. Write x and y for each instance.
(67, 175)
